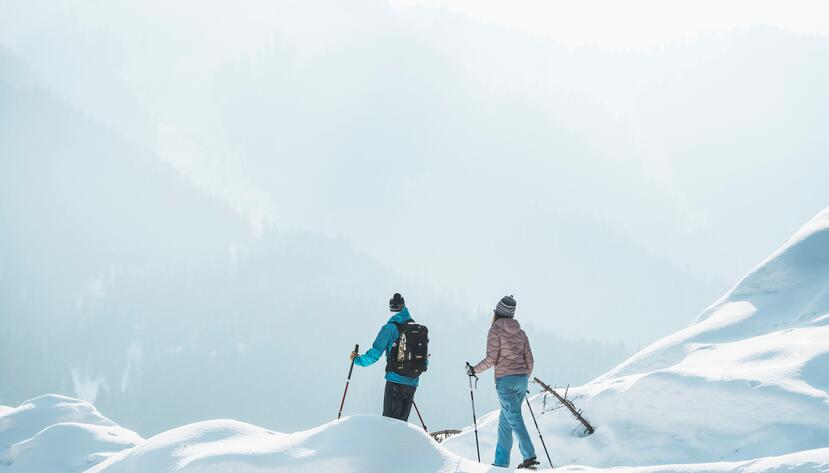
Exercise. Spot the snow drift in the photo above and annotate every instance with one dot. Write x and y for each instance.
(748, 379)
(743, 389)
(58, 434)
(360, 443)
(93, 444)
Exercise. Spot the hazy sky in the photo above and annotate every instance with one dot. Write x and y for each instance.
(637, 23)
(576, 143)
(616, 166)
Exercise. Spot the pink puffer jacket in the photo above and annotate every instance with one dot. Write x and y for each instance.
(508, 349)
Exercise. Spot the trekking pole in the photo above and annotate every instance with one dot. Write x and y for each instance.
(420, 416)
(347, 381)
(474, 417)
(530, 407)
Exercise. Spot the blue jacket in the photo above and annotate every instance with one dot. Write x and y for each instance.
(383, 343)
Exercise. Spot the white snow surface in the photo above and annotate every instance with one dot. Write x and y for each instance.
(743, 389)
(58, 434)
(747, 379)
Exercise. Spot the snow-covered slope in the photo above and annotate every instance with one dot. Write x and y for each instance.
(63, 435)
(58, 434)
(748, 379)
(363, 443)
(743, 389)
(358, 443)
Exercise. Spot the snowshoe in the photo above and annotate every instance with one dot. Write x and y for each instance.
(529, 464)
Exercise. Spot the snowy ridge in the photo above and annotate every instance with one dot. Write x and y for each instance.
(96, 445)
(748, 379)
(359, 443)
(789, 289)
(743, 389)
(57, 433)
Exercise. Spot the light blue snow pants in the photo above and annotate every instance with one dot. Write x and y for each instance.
(511, 390)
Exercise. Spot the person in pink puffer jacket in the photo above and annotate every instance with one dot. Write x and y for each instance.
(508, 350)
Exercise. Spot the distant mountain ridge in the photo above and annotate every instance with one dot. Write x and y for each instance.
(121, 282)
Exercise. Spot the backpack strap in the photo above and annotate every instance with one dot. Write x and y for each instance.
(398, 324)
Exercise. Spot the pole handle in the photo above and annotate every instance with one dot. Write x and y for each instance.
(351, 368)
(474, 375)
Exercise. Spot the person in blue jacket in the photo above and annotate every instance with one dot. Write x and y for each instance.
(400, 390)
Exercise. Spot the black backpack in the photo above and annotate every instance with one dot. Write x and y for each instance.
(409, 353)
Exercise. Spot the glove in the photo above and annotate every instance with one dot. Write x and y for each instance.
(353, 355)
(470, 371)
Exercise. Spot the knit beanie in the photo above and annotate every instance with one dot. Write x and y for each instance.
(396, 303)
(505, 307)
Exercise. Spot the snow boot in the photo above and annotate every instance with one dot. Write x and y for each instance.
(529, 463)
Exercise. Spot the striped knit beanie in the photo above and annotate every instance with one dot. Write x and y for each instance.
(505, 307)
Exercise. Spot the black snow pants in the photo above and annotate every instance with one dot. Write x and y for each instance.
(398, 399)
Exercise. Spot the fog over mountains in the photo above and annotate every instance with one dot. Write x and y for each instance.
(205, 198)
(126, 288)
